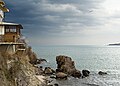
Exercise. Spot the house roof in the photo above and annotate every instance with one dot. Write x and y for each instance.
(10, 24)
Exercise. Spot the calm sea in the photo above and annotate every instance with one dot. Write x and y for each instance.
(93, 58)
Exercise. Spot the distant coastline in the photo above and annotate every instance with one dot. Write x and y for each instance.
(115, 44)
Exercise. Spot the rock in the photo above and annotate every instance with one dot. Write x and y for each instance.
(53, 85)
(102, 73)
(66, 65)
(77, 74)
(39, 70)
(56, 84)
(85, 73)
(49, 85)
(39, 61)
(32, 56)
(61, 75)
(52, 76)
(83, 76)
(49, 71)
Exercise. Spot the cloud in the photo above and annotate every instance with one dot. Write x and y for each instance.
(52, 19)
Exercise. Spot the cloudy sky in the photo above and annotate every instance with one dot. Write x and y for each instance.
(68, 22)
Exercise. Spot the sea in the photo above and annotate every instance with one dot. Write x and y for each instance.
(89, 57)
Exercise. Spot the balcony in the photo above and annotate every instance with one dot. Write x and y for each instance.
(14, 40)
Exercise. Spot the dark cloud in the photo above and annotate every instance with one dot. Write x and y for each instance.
(53, 17)
(43, 13)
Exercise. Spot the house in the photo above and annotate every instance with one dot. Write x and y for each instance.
(10, 34)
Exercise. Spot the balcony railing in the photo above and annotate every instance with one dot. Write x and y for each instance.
(15, 40)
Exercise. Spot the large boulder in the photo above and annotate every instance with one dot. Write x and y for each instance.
(67, 66)
(61, 75)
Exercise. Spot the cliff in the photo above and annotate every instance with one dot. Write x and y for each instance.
(16, 70)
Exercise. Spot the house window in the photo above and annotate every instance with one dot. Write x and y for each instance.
(7, 30)
(10, 28)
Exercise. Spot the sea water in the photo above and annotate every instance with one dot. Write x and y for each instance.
(93, 58)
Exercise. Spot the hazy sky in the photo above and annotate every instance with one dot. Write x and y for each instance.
(67, 21)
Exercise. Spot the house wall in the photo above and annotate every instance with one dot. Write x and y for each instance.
(10, 37)
(12, 34)
(2, 31)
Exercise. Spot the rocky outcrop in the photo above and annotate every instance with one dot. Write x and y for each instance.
(67, 66)
(4, 73)
(16, 70)
(33, 57)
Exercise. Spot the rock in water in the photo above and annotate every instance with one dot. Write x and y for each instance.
(56, 84)
(85, 73)
(67, 66)
(49, 71)
(39, 61)
(61, 75)
(76, 74)
(102, 73)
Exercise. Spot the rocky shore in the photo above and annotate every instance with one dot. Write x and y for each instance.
(22, 70)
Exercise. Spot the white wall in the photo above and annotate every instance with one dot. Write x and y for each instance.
(2, 31)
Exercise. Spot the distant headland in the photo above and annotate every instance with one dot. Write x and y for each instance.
(115, 44)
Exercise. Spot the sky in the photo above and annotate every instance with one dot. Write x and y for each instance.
(67, 22)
